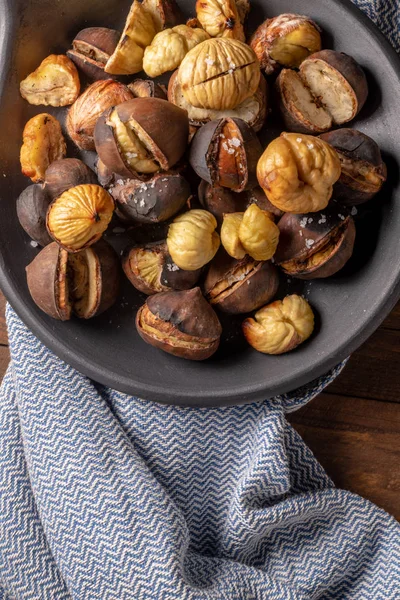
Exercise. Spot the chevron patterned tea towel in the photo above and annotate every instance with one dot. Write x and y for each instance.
(108, 497)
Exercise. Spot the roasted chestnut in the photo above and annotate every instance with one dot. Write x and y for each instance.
(219, 74)
(32, 207)
(43, 143)
(153, 201)
(79, 217)
(331, 87)
(54, 83)
(225, 153)
(180, 323)
(83, 114)
(151, 270)
(315, 246)
(66, 173)
(86, 283)
(363, 170)
(257, 196)
(147, 88)
(258, 233)
(253, 110)
(281, 326)
(230, 235)
(240, 286)
(192, 240)
(285, 40)
(143, 136)
(219, 201)
(165, 13)
(91, 50)
(297, 173)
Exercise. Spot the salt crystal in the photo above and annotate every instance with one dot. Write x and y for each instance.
(299, 140)
(310, 220)
(303, 222)
(153, 184)
(301, 233)
(221, 135)
(34, 244)
(230, 71)
(234, 142)
(310, 243)
(322, 220)
(231, 151)
(4, 175)
(232, 65)
(341, 217)
(209, 61)
(172, 267)
(248, 282)
(225, 146)
(165, 179)
(120, 182)
(354, 211)
(142, 203)
(310, 146)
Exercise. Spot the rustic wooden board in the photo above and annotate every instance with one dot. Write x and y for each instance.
(358, 443)
(3, 328)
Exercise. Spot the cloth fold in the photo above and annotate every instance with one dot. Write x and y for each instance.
(106, 496)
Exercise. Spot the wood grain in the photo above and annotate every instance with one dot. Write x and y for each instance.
(3, 328)
(357, 441)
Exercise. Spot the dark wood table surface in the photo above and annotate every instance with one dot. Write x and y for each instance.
(353, 428)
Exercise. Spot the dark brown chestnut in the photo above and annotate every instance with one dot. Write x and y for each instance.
(105, 177)
(257, 196)
(147, 88)
(363, 170)
(143, 135)
(153, 201)
(315, 245)
(240, 286)
(86, 283)
(91, 50)
(150, 269)
(180, 323)
(66, 173)
(225, 152)
(32, 206)
(330, 88)
(219, 200)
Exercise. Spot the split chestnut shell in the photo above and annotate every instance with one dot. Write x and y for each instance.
(180, 323)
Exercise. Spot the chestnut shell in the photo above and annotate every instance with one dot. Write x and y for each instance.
(187, 313)
(242, 294)
(205, 148)
(90, 42)
(32, 205)
(66, 173)
(302, 236)
(356, 150)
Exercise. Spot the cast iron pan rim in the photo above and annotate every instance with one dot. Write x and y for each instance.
(246, 393)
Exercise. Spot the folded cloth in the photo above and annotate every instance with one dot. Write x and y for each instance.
(105, 496)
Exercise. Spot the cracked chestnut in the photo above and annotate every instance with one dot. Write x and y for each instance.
(91, 50)
(141, 136)
(240, 286)
(225, 153)
(180, 323)
(151, 269)
(363, 169)
(315, 246)
(85, 284)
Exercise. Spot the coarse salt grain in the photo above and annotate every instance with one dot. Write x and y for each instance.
(120, 182)
(310, 243)
(142, 203)
(34, 244)
(310, 220)
(301, 233)
(234, 142)
(310, 146)
(209, 61)
(354, 211)
(303, 222)
(172, 267)
(299, 140)
(341, 217)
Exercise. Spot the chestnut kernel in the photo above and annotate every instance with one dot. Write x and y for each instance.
(192, 240)
(316, 246)
(147, 88)
(363, 169)
(281, 326)
(240, 286)
(32, 206)
(220, 18)
(180, 323)
(225, 153)
(66, 173)
(43, 143)
(54, 83)
(258, 233)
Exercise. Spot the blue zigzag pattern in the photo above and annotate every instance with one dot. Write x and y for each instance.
(108, 497)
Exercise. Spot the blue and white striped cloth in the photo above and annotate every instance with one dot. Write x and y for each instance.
(108, 497)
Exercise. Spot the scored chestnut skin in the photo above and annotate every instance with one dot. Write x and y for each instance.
(180, 323)
(240, 286)
(66, 173)
(32, 206)
(147, 88)
(91, 49)
(153, 201)
(150, 269)
(315, 246)
(363, 169)
(226, 159)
